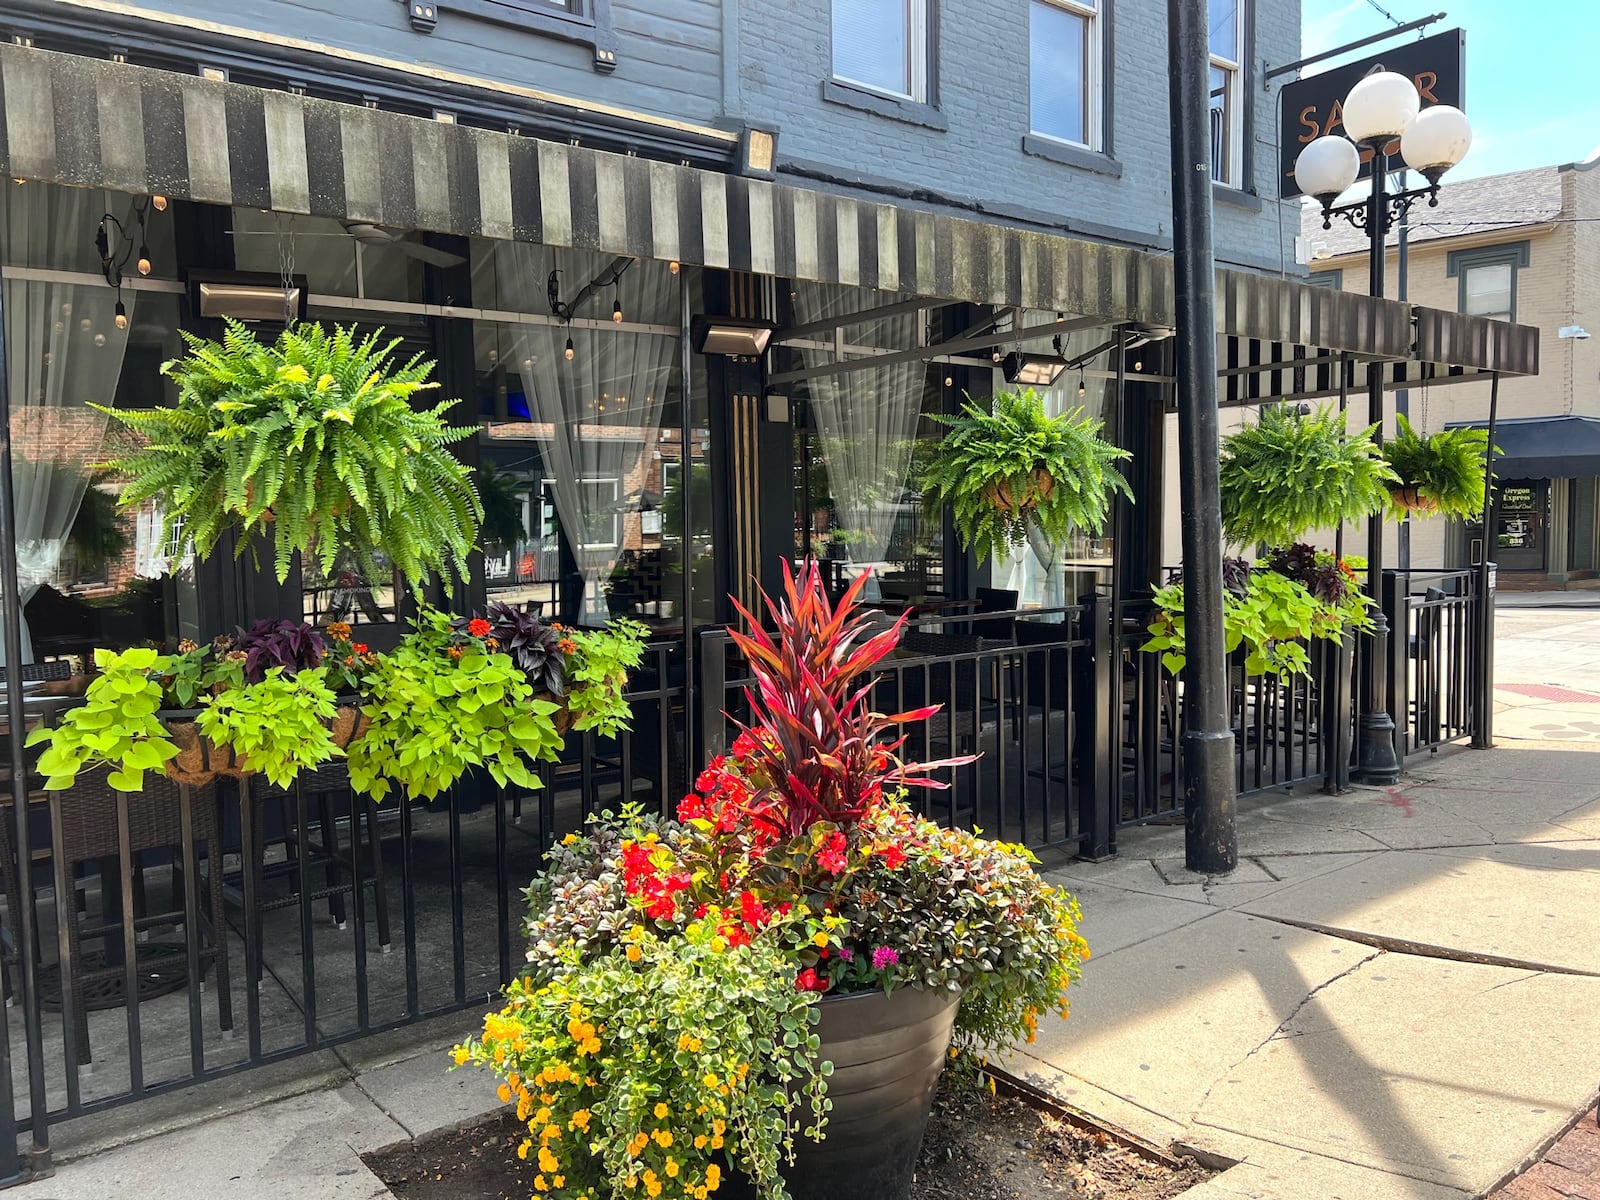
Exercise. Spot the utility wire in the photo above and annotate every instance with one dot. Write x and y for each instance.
(1389, 16)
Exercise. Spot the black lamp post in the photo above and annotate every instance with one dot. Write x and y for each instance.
(1382, 108)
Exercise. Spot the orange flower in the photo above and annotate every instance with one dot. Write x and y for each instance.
(339, 631)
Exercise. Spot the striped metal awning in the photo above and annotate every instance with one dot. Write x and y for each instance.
(87, 122)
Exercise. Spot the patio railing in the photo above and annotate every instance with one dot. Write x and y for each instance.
(190, 933)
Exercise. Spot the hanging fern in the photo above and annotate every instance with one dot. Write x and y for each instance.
(1441, 475)
(313, 441)
(1290, 473)
(1009, 466)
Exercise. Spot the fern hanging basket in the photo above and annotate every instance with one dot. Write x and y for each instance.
(311, 443)
(1444, 474)
(1007, 466)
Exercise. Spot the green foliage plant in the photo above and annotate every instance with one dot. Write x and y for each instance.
(598, 665)
(313, 442)
(441, 704)
(1442, 475)
(1009, 465)
(1289, 473)
(278, 726)
(1269, 614)
(116, 726)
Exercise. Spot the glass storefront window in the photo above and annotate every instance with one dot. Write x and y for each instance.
(582, 433)
(90, 573)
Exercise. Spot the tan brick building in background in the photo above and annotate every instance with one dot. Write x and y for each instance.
(1523, 247)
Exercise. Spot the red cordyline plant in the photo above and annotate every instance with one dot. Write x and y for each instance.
(816, 751)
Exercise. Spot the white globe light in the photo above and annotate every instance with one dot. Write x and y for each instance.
(1327, 167)
(1380, 107)
(1436, 141)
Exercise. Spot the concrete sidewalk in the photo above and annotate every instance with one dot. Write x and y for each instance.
(1396, 995)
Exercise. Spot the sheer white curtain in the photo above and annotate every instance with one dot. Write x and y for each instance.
(63, 353)
(602, 407)
(867, 419)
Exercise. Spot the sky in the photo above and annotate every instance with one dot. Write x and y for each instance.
(1533, 79)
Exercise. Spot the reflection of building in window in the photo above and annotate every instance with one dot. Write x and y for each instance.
(602, 517)
(883, 45)
(1064, 60)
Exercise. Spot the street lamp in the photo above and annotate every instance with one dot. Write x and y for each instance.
(1382, 108)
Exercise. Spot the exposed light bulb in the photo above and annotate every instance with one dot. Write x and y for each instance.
(673, 266)
(994, 356)
(569, 350)
(122, 316)
(158, 202)
(99, 339)
(948, 381)
(616, 312)
(144, 260)
(1138, 364)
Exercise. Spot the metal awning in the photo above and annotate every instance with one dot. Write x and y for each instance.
(1544, 447)
(93, 123)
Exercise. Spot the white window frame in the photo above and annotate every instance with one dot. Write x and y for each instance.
(919, 49)
(1094, 57)
(1233, 101)
(616, 516)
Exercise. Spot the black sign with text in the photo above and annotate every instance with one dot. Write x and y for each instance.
(1313, 107)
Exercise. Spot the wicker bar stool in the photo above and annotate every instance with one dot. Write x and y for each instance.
(88, 816)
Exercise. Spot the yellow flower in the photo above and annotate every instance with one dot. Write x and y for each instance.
(560, 1182)
(580, 1120)
(504, 1092)
(547, 1161)
(570, 840)
(700, 1141)
(460, 1054)
(710, 1080)
(661, 1112)
(663, 1138)
(718, 945)
(539, 1185)
(820, 941)
(522, 1150)
(634, 954)
(672, 1168)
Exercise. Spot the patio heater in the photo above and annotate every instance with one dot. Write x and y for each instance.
(1382, 108)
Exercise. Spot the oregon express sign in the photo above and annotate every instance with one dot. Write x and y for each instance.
(1313, 107)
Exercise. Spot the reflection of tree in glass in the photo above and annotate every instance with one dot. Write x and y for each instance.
(502, 494)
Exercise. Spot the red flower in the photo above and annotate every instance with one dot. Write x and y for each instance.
(359, 647)
(807, 981)
(892, 856)
(831, 858)
(478, 627)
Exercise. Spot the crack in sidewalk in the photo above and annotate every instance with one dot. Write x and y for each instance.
(1396, 945)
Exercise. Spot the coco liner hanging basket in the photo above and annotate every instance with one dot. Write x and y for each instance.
(1410, 499)
(199, 760)
(887, 1050)
(1030, 490)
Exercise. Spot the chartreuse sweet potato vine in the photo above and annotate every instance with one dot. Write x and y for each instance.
(312, 441)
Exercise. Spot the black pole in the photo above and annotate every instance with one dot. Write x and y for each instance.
(1483, 726)
(1402, 397)
(1210, 842)
(11, 1168)
(1377, 764)
(686, 485)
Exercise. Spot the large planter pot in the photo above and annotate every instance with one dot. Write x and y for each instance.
(887, 1052)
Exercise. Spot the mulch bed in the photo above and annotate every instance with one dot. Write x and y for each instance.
(977, 1148)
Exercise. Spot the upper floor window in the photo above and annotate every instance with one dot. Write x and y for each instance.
(1227, 91)
(1064, 58)
(883, 45)
(1488, 278)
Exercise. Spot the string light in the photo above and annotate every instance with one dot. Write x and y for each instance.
(122, 316)
(1081, 389)
(144, 260)
(673, 266)
(616, 311)
(569, 350)
(159, 202)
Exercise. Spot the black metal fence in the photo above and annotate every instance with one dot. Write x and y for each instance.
(187, 933)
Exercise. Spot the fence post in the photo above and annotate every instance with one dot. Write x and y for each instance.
(1397, 609)
(1095, 721)
(1483, 654)
(1338, 715)
(713, 697)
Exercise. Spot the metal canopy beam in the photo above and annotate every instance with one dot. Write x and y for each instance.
(799, 333)
(1032, 333)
